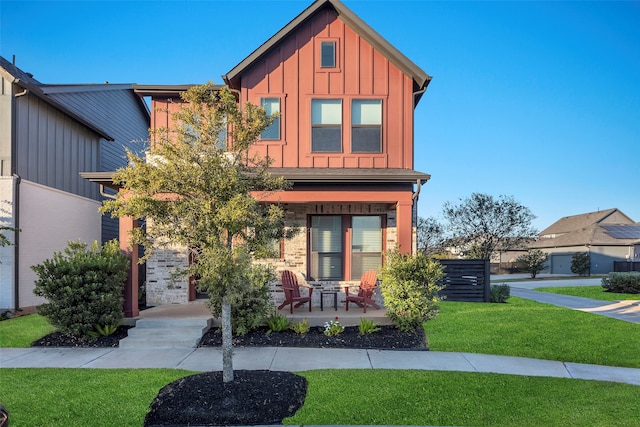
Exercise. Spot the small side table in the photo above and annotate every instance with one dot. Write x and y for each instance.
(335, 299)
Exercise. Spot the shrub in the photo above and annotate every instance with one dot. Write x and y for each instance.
(301, 327)
(581, 263)
(410, 290)
(500, 293)
(533, 262)
(277, 322)
(627, 283)
(83, 287)
(250, 308)
(367, 326)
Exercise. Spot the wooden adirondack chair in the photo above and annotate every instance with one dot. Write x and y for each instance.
(368, 283)
(292, 292)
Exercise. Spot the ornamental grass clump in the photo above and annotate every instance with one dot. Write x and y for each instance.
(83, 287)
(410, 290)
(367, 326)
(301, 327)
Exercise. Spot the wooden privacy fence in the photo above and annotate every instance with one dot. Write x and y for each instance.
(466, 280)
(625, 266)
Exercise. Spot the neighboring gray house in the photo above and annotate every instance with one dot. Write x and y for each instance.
(48, 135)
(607, 236)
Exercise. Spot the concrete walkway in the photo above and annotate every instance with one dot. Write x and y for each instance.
(628, 311)
(302, 359)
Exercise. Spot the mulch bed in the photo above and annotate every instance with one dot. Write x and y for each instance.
(254, 397)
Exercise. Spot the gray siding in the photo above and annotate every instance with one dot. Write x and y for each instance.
(52, 148)
(119, 112)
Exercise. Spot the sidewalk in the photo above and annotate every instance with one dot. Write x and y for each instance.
(628, 311)
(301, 359)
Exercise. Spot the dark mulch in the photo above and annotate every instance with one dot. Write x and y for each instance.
(58, 339)
(388, 337)
(252, 398)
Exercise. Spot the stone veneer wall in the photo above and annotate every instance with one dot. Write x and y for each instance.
(163, 286)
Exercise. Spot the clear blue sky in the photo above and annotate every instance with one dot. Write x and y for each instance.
(536, 100)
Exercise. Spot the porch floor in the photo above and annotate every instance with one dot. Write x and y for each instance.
(198, 309)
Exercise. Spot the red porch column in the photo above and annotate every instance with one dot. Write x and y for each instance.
(131, 286)
(404, 226)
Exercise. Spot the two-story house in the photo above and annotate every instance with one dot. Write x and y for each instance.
(344, 138)
(48, 135)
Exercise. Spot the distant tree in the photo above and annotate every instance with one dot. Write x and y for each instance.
(198, 191)
(430, 236)
(581, 263)
(485, 223)
(533, 262)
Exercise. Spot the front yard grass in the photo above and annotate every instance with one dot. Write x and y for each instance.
(593, 292)
(121, 397)
(531, 329)
(21, 331)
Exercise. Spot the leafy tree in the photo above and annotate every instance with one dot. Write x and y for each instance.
(430, 236)
(484, 223)
(201, 192)
(533, 262)
(581, 263)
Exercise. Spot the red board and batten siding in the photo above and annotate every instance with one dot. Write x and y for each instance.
(291, 71)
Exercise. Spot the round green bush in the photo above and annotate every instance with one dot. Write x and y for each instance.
(83, 287)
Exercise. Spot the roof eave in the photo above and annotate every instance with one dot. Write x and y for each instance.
(39, 93)
(407, 66)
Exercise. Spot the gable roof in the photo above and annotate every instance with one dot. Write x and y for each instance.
(577, 222)
(420, 78)
(33, 86)
(608, 227)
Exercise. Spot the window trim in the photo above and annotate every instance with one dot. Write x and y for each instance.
(279, 119)
(336, 55)
(367, 126)
(327, 126)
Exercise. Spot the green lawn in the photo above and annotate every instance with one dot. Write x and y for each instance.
(22, 331)
(107, 397)
(594, 292)
(530, 329)
(121, 397)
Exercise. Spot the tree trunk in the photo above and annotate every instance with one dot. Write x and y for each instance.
(227, 344)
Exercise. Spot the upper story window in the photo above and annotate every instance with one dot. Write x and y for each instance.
(271, 106)
(328, 54)
(366, 126)
(326, 125)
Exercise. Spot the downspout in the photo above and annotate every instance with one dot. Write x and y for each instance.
(16, 200)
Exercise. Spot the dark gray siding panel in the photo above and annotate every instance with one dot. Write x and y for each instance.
(53, 148)
(110, 228)
(119, 112)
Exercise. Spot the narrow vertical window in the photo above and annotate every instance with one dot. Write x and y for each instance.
(328, 54)
(326, 247)
(326, 125)
(366, 126)
(222, 136)
(366, 245)
(271, 106)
